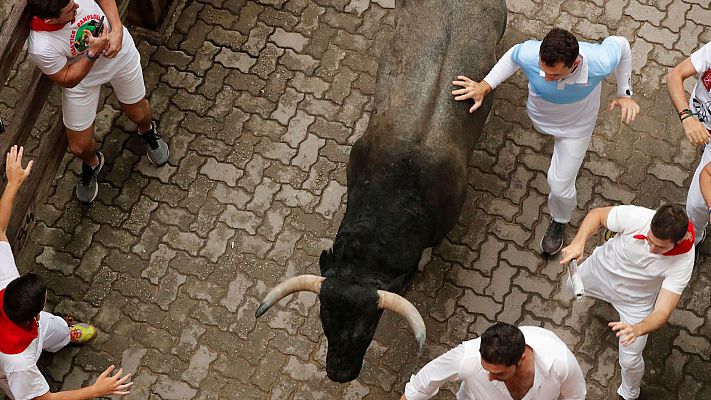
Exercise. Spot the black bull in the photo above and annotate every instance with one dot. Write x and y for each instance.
(407, 174)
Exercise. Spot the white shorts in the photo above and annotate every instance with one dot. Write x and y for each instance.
(80, 103)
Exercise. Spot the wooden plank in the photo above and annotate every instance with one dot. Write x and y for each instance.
(12, 37)
(25, 114)
(37, 185)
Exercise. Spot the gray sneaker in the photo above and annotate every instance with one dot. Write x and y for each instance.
(156, 147)
(552, 241)
(87, 187)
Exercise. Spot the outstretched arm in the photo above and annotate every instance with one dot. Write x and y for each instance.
(476, 91)
(105, 385)
(15, 176)
(592, 222)
(666, 303)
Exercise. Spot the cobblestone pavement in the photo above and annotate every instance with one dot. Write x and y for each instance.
(260, 102)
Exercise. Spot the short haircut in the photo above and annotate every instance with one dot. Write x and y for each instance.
(559, 45)
(670, 222)
(46, 8)
(502, 344)
(24, 298)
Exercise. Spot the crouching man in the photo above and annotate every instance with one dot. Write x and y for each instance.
(26, 330)
(642, 272)
(505, 363)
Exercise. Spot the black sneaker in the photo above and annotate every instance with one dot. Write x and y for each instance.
(552, 241)
(156, 147)
(87, 187)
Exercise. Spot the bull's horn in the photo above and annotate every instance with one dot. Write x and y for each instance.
(394, 302)
(310, 283)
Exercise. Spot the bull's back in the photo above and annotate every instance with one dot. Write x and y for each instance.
(415, 115)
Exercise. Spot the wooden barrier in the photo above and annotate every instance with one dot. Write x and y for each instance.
(49, 154)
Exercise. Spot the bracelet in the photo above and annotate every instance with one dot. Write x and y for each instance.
(92, 57)
(686, 116)
(685, 113)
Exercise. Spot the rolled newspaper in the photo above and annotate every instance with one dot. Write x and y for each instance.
(578, 288)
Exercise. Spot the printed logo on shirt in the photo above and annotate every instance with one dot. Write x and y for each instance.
(706, 79)
(79, 40)
(702, 109)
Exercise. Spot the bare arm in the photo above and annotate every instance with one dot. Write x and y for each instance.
(116, 34)
(666, 303)
(595, 219)
(694, 130)
(72, 74)
(15, 176)
(105, 385)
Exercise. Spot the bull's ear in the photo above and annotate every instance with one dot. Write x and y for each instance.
(325, 261)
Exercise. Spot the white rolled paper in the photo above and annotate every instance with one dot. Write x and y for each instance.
(578, 288)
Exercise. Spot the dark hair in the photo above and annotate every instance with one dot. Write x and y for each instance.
(502, 344)
(670, 222)
(24, 298)
(46, 8)
(559, 45)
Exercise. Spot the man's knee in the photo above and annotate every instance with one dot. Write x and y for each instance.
(631, 361)
(81, 143)
(563, 188)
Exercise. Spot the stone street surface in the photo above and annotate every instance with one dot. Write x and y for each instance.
(260, 102)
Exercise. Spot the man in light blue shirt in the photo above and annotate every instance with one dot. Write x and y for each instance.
(563, 101)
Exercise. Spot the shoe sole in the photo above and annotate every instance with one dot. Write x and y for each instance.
(540, 246)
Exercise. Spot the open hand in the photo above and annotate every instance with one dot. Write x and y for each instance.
(626, 332)
(629, 109)
(13, 166)
(107, 385)
(471, 90)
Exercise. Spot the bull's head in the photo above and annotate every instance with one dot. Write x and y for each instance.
(350, 315)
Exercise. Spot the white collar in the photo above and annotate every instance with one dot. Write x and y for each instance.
(580, 75)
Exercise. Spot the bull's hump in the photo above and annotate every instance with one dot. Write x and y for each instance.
(434, 42)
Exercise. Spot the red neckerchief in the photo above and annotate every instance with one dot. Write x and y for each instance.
(14, 339)
(680, 248)
(38, 24)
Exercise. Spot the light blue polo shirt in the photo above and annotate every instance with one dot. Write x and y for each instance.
(601, 59)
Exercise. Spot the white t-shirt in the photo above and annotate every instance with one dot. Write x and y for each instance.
(557, 372)
(700, 99)
(625, 268)
(19, 376)
(51, 51)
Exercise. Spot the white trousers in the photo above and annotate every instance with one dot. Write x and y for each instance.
(568, 156)
(695, 205)
(630, 356)
(53, 332)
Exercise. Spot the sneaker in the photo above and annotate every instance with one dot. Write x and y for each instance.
(156, 147)
(81, 333)
(552, 242)
(87, 187)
